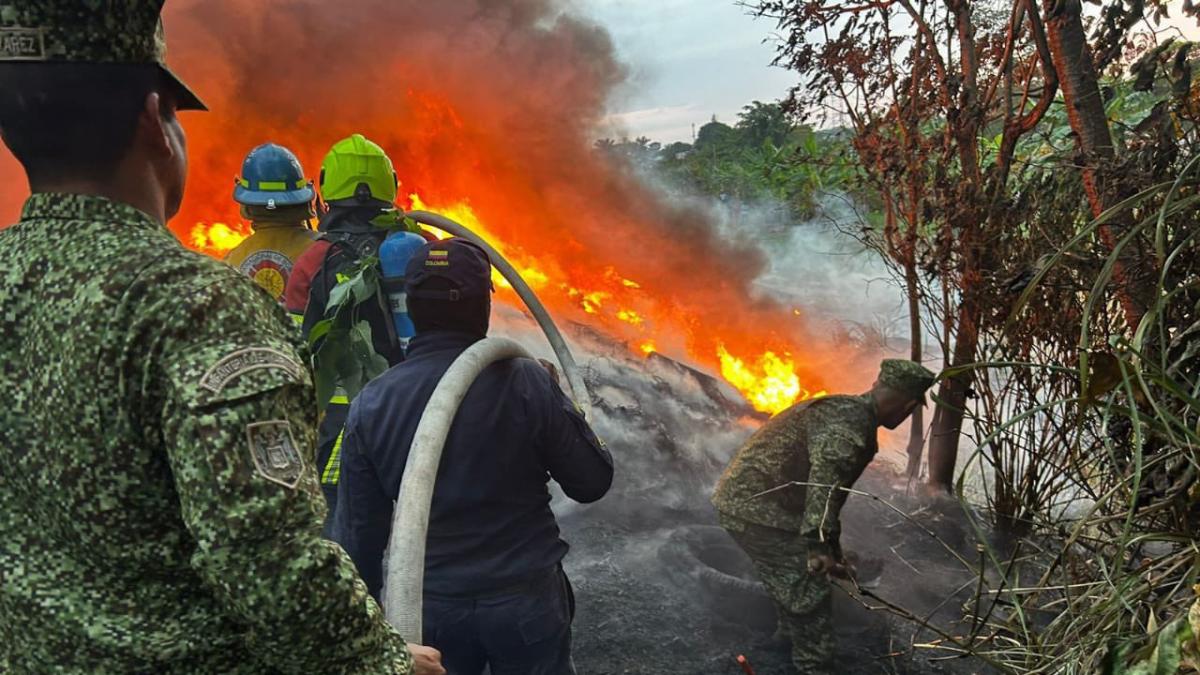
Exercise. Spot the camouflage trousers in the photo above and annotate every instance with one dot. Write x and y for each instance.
(803, 600)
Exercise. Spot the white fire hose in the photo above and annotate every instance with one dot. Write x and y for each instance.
(405, 581)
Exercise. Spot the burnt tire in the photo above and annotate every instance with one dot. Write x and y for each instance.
(706, 561)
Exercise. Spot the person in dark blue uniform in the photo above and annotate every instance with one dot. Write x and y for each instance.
(495, 591)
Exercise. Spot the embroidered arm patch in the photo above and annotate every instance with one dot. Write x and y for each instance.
(276, 456)
(243, 361)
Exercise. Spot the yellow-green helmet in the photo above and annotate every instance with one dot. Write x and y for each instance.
(358, 172)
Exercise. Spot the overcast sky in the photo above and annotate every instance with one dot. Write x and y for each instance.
(690, 60)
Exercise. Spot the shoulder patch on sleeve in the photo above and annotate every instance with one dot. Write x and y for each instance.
(244, 361)
(276, 456)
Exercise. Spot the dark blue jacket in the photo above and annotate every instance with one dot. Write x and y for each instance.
(491, 526)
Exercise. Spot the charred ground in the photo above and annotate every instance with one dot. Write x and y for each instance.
(661, 590)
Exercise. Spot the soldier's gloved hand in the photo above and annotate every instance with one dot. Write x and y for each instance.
(820, 563)
(426, 660)
(824, 563)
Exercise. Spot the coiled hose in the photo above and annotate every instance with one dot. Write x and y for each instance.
(405, 582)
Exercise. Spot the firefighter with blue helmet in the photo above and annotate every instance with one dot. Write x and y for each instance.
(278, 201)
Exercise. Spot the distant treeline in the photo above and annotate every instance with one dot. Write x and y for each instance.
(764, 158)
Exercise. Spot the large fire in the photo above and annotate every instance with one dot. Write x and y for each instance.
(488, 110)
(770, 385)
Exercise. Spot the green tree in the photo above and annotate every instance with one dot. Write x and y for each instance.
(716, 137)
(760, 123)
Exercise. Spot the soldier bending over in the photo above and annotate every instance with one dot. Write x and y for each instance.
(792, 533)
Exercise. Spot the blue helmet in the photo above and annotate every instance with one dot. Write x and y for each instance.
(272, 177)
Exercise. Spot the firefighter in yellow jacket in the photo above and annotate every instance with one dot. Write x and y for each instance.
(277, 200)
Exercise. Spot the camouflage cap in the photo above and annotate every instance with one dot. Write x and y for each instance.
(906, 377)
(89, 31)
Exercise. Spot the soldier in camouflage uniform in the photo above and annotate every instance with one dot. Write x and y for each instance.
(791, 533)
(158, 508)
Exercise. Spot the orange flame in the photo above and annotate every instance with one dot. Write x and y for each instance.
(770, 385)
(593, 301)
(630, 317)
(463, 214)
(217, 239)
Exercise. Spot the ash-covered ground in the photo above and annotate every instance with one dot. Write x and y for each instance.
(660, 590)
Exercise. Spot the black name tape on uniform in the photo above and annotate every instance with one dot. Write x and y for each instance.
(244, 361)
(273, 447)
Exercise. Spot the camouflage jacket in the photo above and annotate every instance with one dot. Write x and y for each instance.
(829, 441)
(158, 507)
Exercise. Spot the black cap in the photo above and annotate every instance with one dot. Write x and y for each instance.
(461, 262)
